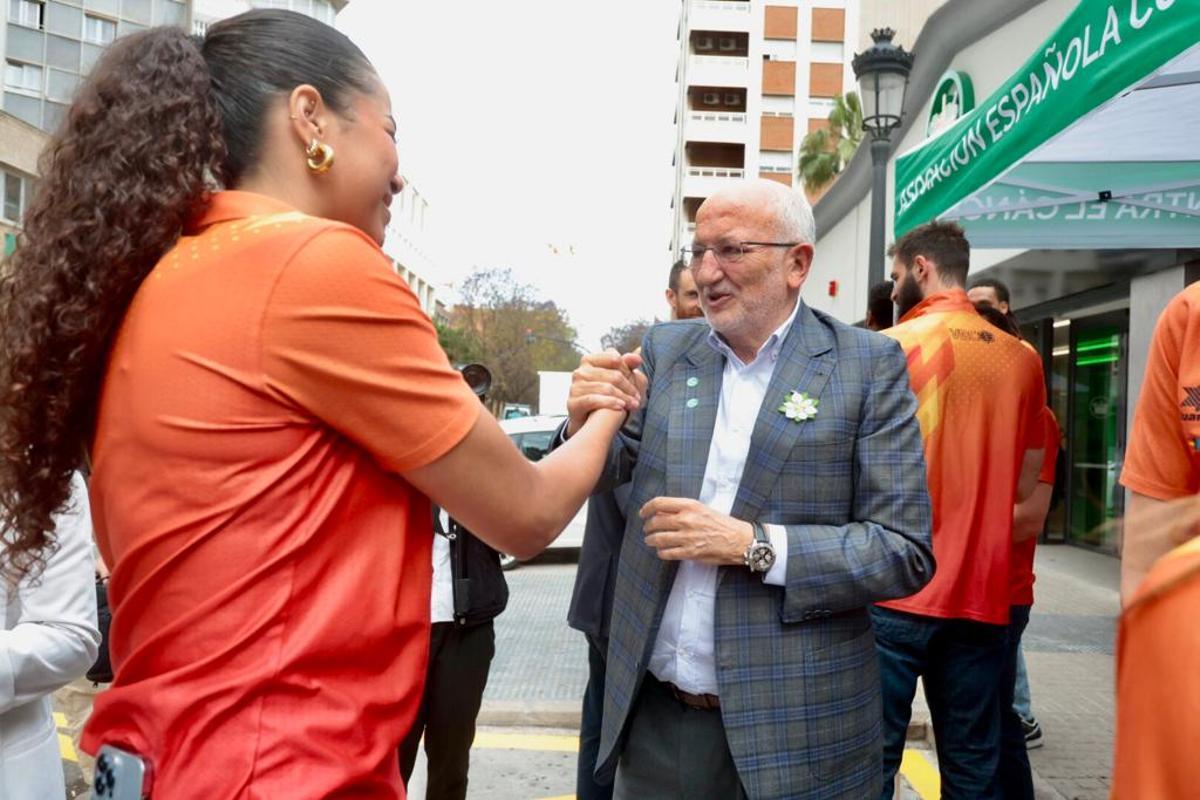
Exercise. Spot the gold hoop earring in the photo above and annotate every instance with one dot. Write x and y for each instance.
(320, 157)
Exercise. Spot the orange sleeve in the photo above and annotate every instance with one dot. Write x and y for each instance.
(345, 339)
(1157, 463)
(1050, 456)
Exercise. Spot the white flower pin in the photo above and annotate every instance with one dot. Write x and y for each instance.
(798, 406)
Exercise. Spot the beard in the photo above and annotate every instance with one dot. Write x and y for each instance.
(695, 312)
(908, 296)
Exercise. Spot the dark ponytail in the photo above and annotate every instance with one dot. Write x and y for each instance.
(162, 120)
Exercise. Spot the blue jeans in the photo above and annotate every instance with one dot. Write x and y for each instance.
(586, 785)
(1014, 776)
(1022, 704)
(962, 664)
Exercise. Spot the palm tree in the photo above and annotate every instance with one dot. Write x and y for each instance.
(826, 151)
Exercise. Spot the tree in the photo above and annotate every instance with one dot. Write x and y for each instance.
(628, 337)
(826, 151)
(460, 344)
(516, 334)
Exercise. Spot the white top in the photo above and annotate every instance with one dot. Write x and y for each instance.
(683, 652)
(49, 639)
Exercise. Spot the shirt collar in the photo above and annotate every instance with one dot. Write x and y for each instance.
(229, 205)
(949, 300)
(770, 348)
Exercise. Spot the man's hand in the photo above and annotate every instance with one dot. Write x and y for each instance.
(687, 530)
(604, 380)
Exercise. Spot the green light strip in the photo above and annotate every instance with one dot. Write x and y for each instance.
(1088, 361)
(1097, 344)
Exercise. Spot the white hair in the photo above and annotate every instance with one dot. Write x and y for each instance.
(793, 215)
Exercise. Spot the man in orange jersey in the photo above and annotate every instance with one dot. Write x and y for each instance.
(1163, 459)
(980, 397)
(1158, 649)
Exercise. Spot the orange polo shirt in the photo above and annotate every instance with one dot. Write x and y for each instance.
(1163, 458)
(980, 396)
(1021, 587)
(1158, 682)
(270, 382)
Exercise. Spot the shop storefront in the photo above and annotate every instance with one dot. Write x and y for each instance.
(1077, 180)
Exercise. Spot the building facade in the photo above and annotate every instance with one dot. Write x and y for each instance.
(411, 246)
(753, 79)
(206, 12)
(1093, 229)
(49, 45)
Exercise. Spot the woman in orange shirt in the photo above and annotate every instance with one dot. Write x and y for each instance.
(200, 302)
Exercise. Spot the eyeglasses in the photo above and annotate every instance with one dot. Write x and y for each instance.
(726, 252)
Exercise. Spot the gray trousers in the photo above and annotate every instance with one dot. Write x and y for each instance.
(674, 752)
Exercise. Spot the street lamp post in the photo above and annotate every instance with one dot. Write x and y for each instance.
(882, 72)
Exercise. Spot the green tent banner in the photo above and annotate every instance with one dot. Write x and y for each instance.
(1101, 49)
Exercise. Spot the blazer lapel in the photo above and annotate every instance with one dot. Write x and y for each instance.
(694, 394)
(805, 363)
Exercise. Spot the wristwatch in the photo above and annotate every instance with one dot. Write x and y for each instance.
(760, 555)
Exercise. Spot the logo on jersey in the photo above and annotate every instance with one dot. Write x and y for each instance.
(1192, 401)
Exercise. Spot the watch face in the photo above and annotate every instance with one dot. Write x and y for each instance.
(762, 557)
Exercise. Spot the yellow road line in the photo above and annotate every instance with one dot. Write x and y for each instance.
(921, 775)
(522, 741)
(66, 748)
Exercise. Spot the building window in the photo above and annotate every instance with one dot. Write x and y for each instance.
(25, 78)
(98, 30)
(30, 13)
(15, 188)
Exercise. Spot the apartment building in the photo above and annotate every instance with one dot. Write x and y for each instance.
(753, 77)
(410, 244)
(206, 12)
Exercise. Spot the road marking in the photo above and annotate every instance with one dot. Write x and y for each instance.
(66, 747)
(523, 741)
(922, 776)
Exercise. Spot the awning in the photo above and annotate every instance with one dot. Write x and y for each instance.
(1094, 143)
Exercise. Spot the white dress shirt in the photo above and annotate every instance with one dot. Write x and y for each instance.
(441, 599)
(683, 652)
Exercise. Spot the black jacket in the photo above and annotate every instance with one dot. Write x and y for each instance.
(480, 591)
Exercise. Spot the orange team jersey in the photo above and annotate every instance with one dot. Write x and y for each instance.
(1021, 588)
(271, 381)
(1163, 459)
(1158, 693)
(980, 396)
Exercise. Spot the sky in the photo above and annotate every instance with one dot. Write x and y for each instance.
(541, 133)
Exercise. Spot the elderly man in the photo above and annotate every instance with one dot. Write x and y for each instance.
(778, 490)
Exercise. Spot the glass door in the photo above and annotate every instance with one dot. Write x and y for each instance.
(1096, 428)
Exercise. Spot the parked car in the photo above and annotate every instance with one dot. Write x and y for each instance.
(532, 436)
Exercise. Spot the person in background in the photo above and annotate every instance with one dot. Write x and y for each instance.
(984, 434)
(993, 292)
(469, 592)
(49, 638)
(591, 600)
(1029, 518)
(880, 310)
(1158, 644)
(200, 300)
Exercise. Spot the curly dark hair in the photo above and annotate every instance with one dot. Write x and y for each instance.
(163, 119)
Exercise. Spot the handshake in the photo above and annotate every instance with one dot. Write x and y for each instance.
(605, 380)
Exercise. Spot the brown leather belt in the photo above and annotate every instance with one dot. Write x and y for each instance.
(704, 702)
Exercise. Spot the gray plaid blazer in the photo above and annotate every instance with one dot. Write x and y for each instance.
(796, 665)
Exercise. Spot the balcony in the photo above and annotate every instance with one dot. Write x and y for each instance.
(713, 70)
(719, 15)
(705, 181)
(717, 126)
